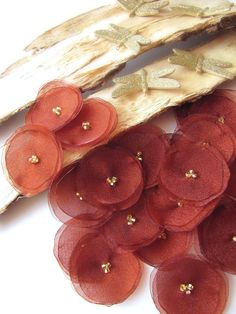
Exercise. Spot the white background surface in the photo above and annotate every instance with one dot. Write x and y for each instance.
(31, 281)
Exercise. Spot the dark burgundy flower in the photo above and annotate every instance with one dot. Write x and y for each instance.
(168, 244)
(149, 145)
(217, 237)
(195, 173)
(132, 228)
(176, 214)
(66, 202)
(189, 285)
(100, 275)
(110, 176)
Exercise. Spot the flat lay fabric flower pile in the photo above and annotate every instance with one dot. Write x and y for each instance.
(145, 196)
(137, 195)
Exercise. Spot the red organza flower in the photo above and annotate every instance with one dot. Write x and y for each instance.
(94, 123)
(149, 145)
(98, 274)
(66, 202)
(188, 285)
(110, 176)
(176, 214)
(217, 237)
(33, 156)
(168, 244)
(207, 130)
(132, 228)
(195, 173)
(220, 104)
(57, 104)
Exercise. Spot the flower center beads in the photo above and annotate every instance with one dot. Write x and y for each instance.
(191, 174)
(57, 111)
(234, 238)
(106, 267)
(186, 288)
(112, 181)
(34, 159)
(86, 126)
(139, 156)
(131, 220)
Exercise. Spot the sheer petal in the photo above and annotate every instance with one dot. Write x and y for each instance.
(57, 105)
(32, 157)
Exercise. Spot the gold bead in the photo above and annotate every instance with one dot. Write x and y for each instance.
(131, 220)
(57, 111)
(191, 174)
(186, 288)
(180, 204)
(234, 238)
(34, 159)
(78, 195)
(221, 119)
(139, 156)
(162, 235)
(86, 126)
(106, 267)
(112, 181)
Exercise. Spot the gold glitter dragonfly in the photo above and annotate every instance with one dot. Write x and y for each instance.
(143, 7)
(201, 8)
(123, 37)
(144, 81)
(201, 64)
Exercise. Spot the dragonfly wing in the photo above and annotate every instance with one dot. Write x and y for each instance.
(219, 63)
(141, 40)
(135, 78)
(132, 45)
(163, 83)
(161, 73)
(109, 35)
(124, 90)
(216, 70)
(128, 4)
(151, 8)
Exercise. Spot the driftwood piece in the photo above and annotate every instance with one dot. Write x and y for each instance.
(136, 108)
(72, 52)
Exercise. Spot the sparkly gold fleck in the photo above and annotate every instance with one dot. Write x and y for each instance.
(186, 288)
(57, 111)
(139, 156)
(112, 181)
(190, 10)
(123, 37)
(86, 126)
(191, 174)
(143, 81)
(162, 235)
(34, 159)
(131, 220)
(106, 267)
(79, 196)
(221, 119)
(180, 204)
(201, 64)
(143, 7)
(234, 238)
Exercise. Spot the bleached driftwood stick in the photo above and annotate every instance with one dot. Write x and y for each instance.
(137, 108)
(72, 52)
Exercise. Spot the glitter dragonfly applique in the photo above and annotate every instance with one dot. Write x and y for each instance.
(143, 81)
(201, 64)
(143, 7)
(201, 9)
(123, 37)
